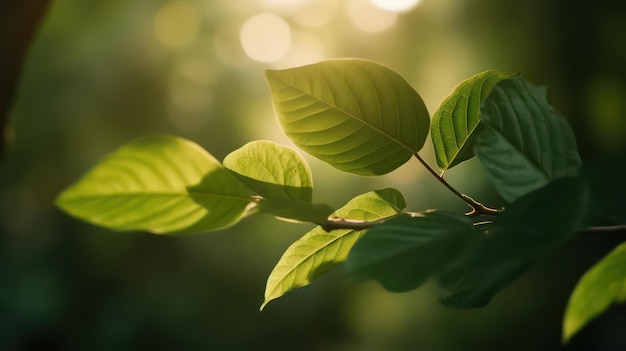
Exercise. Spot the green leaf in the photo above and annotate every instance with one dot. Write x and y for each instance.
(475, 286)
(281, 176)
(456, 123)
(532, 226)
(404, 252)
(160, 184)
(524, 144)
(602, 285)
(319, 250)
(273, 171)
(357, 115)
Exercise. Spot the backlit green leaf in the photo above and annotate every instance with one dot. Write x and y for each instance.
(356, 115)
(524, 143)
(602, 285)
(405, 252)
(160, 184)
(319, 250)
(456, 122)
(273, 171)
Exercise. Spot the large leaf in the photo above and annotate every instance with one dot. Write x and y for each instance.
(356, 115)
(456, 123)
(524, 144)
(532, 226)
(603, 285)
(405, 252)
(160, 184)
(319, 250)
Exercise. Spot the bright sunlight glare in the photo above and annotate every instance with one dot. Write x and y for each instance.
(265, 37)
(369, 18)
(177, 24)
(395, 5)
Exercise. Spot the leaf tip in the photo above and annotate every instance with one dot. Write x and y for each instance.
(264, 304)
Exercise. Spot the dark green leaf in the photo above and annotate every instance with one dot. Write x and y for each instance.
(356, 115)
(603, 285)
(530, 227)
(404, 252)
(319, 250)
(456, 122)
(160, 184)
(524, 144)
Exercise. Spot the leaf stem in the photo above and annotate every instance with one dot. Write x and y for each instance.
(478, 209)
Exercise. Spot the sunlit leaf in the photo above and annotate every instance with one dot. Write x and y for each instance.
(456, 122)
(273, 171)
(532, 226)
(524, 143)
(319, 250)
(160, 184)
(601, 286)
(356, 115)
(405, 252)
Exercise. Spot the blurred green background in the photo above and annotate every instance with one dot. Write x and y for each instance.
(100, 73)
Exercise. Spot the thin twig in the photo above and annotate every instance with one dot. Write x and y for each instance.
(605, 230)
(478, 209)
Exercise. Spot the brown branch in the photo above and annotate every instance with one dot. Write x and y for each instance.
(605, 230)
(478, 209)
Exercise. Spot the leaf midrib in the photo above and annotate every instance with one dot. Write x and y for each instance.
(397, 141)
(156, 194)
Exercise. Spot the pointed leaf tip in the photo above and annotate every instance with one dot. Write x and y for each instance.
(318, 250)
(157, 183)
(457, 121)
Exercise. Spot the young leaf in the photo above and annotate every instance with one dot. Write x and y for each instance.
(273, 171)
(456, 122)
(356, 115)
(160, 184)
(319, 250)
(602, 285)
(524, 144)
(281, 177)
(405, 252)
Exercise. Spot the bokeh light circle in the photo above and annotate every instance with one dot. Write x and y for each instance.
(395, 5)
(265, 37)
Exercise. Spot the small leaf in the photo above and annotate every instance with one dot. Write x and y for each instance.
(456, 122)
(273, 171)
(602, 285)
(532, 226)
(524, 144)
(357, 115)
(405, 252)
(319, 250)
(160, 184)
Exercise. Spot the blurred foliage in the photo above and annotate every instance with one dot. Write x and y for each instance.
(101, 73)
